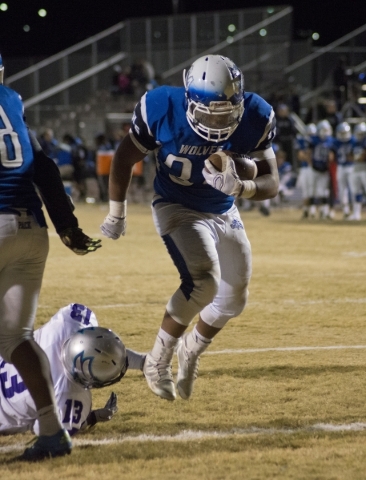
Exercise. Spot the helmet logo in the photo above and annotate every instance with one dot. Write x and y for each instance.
(82, 367)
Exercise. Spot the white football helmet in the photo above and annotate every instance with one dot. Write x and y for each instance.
(1, 71)
(215, 97)
(310, 129)
(343, 132)
(360, 131)
(95, 357)
(324, 129)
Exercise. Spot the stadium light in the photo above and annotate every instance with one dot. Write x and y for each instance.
(315, 36)
(3, 7)
(42, 12)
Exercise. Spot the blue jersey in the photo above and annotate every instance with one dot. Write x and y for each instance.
(343, 151)
(160, 124)
(302, 143)
(320, 153)
(359, 149)
(16, 158)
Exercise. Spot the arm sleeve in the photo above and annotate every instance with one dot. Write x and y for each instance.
(48, 180)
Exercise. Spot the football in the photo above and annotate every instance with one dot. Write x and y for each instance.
(246, 167)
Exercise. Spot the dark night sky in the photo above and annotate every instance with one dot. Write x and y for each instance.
(70, 21)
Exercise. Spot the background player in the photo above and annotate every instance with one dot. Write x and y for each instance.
(322, 155)
(358, 175)
(304, 178)
(24, 249)
(343, 146)
(82, 356)
(193, 207)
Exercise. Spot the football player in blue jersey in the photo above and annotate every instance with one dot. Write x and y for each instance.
(343, 146)
(304, 178)
(322, 155)
(358, 175)
(193, 206)
(24, 249)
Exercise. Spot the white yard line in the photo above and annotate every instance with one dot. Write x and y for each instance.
(192, 435)
(282, 349)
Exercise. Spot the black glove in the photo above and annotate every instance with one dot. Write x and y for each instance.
(78, 242)
(103, 414)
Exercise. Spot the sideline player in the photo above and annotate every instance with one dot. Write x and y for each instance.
(358, 175)
(82, 356)
(24, 249)
(322, 155)
(193, 207)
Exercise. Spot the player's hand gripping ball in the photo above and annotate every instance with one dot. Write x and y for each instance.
(245, 167)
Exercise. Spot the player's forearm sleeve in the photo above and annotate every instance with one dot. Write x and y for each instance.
(48, 180)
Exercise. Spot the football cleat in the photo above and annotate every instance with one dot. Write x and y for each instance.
(158, 374)
(188, 364)
(46, 446)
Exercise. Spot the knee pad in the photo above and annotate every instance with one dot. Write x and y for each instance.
(218, 314)
(10, 341)
(191, 297)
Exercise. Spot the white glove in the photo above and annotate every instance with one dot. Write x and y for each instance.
(227, 181)
(103, 414)
(113, 227)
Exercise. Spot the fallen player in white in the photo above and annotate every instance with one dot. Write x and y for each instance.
(82, 356)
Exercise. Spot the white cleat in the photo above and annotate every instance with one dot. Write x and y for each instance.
(187, 370)
(158, 374)
(354, 217)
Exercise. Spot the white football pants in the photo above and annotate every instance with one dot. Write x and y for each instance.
(24, 249)
(213, 256)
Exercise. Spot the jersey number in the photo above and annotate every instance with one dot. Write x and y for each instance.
(16, 386)
(75, 407)
(181, 167)
(80, 313)
(10, 149)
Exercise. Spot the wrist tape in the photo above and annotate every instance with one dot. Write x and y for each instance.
(118, 209)
(248, 189)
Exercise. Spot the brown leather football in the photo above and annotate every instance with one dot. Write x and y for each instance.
(246, 167)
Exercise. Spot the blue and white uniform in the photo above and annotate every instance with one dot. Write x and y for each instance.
(321, 152)
(201, 226)
(23, 229)
(358, 177)
(344, 158)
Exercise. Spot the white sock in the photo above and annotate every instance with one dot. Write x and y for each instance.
(48, 420)
(135, 359)
(196, 343)
(357, 207)
(164, 346)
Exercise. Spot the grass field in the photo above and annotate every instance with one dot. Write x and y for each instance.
(281, 391)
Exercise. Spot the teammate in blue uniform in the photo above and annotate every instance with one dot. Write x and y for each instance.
(24, 249)
(322, 155)
(193, 207)
(343, 146)
(358, 176)
(304, 178)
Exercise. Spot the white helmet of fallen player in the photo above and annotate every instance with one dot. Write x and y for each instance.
(95, 357)
(1, 71)
(343, 132)
(215, 97)
(359, 131)
(324, 129)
